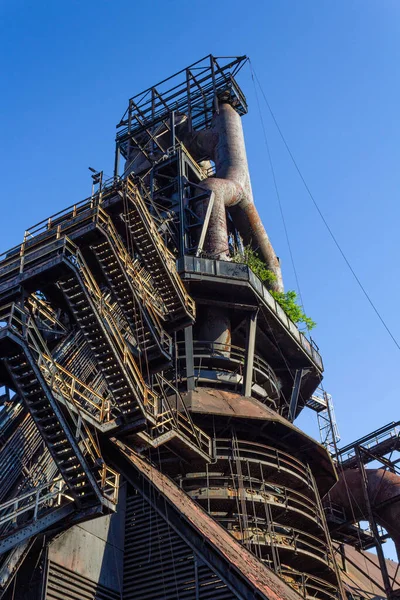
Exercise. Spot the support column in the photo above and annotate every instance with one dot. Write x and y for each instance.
(295, 395)
(249, 360)
(189, 358)
(116, 162)
(373, 525)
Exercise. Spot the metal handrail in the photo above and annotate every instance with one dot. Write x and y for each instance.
(197, 434)
(213, 268)
(262, 453)
(26, 255)
(34, 499)
(392, 430)
(45, 311)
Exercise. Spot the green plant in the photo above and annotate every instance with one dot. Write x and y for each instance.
(259, 268)
(287, 300)
(289, 303)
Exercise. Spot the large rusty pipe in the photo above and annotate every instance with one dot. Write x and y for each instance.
(224, 144)
(384, 493)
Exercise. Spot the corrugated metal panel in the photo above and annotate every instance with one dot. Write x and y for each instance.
(159, 565)
(63, 584)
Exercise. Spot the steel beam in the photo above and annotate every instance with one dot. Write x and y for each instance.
(373, 525)
(205, 225)
(295, 394)
(54, 516)
(190, 383)
(249, 360)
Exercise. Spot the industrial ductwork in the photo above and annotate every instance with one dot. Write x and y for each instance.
(383, 491)
(224, 144)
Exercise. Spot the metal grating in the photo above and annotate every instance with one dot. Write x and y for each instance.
(159, 565)
(63, 584)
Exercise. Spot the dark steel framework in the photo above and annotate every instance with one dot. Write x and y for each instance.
(102, 313)
(381, 448)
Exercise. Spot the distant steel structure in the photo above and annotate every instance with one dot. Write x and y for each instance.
(151, 382)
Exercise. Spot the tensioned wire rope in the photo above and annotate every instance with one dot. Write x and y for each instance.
(255, 79)
(320, 213)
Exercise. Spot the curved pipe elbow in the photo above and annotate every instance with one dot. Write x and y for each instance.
(224, 144)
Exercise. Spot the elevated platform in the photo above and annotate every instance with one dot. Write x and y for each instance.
(379, 443)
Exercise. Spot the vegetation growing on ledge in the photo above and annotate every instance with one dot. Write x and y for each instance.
(289, 303)
(250, 258)
(287, 300)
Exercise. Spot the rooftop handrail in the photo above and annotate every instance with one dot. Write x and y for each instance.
(73, 210)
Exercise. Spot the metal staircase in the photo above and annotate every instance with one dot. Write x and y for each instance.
(83, 349)
(126, 399)
(104, 333)
(159, 261)
(153, 342)
(26, 364)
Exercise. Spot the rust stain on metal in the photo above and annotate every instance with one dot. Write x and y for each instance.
(267, 583)
(384, 491)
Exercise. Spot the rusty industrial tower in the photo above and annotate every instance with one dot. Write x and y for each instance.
(147, 444)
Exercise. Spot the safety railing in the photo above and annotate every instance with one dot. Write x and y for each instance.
(45, 312)
(308, 586)
(48, 495)
(289, 538)
(261, 454)
(140, 277)
(229, 355)
(16, 263)
(182, 417)
(71, 387)
(385, 434)
(220, 488)
(22, 323)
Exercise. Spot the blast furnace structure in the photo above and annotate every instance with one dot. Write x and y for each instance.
(151, 380)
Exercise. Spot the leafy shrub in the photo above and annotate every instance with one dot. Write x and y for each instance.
(289, 303)
(258, 266)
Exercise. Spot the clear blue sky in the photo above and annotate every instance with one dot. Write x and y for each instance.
(330, 70)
